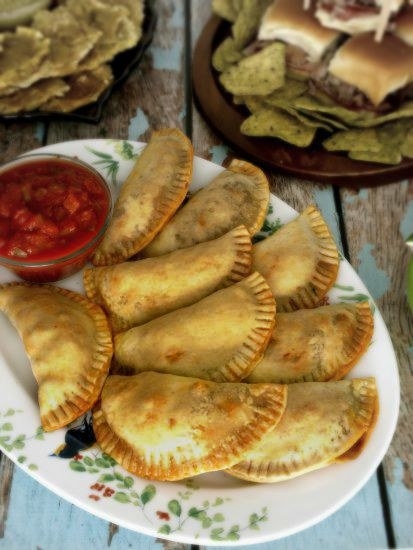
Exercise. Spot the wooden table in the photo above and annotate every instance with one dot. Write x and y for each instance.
(370, 226)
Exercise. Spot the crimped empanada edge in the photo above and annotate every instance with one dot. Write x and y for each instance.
(262, 190)
(242, 263)
(362, 335)
(326, 270)
(269, 472)
(252, 349)
(92, 385)
(273, 400)
(166, 207)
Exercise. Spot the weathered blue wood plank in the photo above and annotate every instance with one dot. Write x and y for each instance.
(37, 518)
(401, 504)
(358, 525)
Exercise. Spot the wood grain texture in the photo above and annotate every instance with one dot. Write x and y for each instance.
(377, 221)
(6, 474)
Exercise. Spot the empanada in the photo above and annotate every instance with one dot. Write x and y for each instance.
(137, 291)
(315, 345)
(166, 427)
(220, 338)
(321, 423)
(69, 344)
(299, 261)
(151, 194)
(238, 196)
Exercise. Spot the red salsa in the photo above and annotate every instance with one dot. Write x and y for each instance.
(49, 208)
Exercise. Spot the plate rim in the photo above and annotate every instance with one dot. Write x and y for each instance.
(251, 538)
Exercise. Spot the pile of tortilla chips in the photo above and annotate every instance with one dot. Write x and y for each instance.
(60, 62)
(284, 107)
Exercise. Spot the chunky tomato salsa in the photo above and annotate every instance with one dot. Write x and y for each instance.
(49, 208)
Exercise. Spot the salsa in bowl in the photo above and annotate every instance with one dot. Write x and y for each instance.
(54, 211)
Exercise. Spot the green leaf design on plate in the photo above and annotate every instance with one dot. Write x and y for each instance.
(6, 427)
(122, 497)
(77, 466)
(10, 441)
(107, 162)
(125, 150)
(175, 508)
(148, 494)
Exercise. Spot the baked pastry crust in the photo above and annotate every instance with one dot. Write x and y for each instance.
(166, 427)
(237, 196)
(148, 198)
(68, 341)
(222, 337)
(135, 292)
(315, 345)
(322, 422)
(299, 261)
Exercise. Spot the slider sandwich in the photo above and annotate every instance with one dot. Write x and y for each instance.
(365, 74)
(356, 71)
(307, 41)
(358, 16)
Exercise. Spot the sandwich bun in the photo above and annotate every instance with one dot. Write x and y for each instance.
(286, 20)
(361, 22)
(376, 68)
(403, 25)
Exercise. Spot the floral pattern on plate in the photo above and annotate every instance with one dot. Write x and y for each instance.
(213, 508)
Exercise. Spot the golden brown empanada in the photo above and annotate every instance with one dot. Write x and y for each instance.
(220, 338)
(166, 427)
(300, 261)
(133, 293)
(321, 422)
(238, 196)
(315, 345)
(151, 194)
(69, 344)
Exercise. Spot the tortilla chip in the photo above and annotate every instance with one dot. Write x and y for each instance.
(84, 88)
(227, 9)
(407, 146)
(354, 140)
(384, 144)
(292, 89)
(257, 74)
(404, 111)
(246, 24)
(383, 156)
(273, 122)
(329, 120)
(312, 103)
(29, 99)
(226, 55)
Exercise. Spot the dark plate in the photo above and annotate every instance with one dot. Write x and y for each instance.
(311, 163)
(122, 64)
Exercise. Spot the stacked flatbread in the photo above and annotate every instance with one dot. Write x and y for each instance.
(226, 354)
(61, 61)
